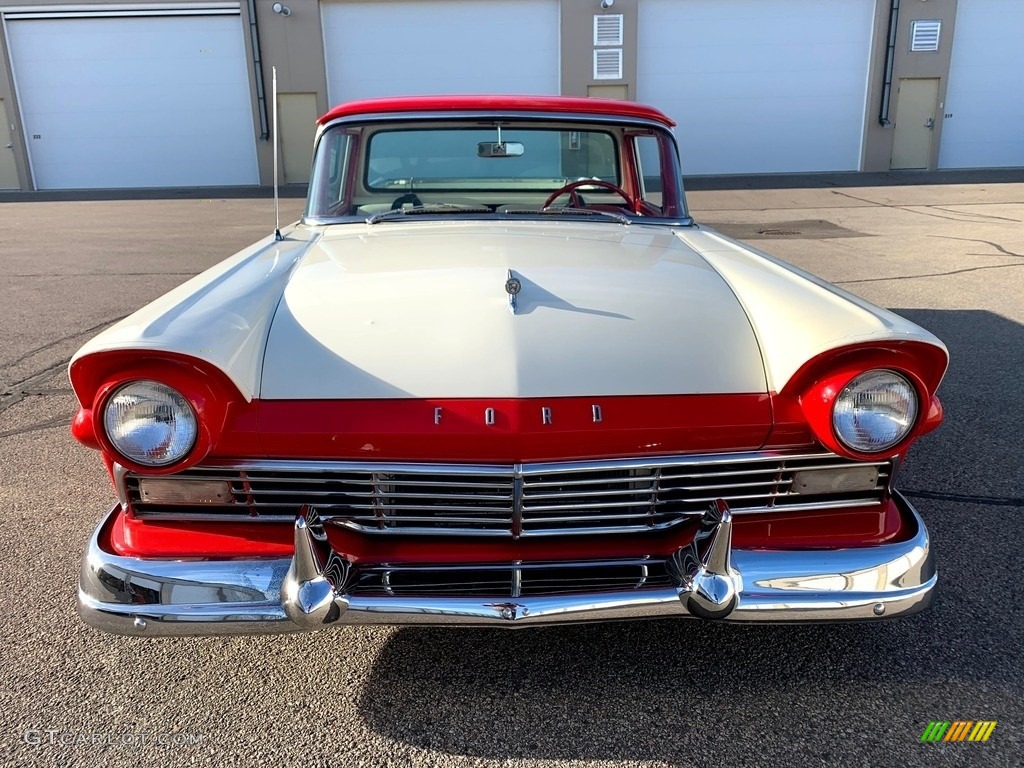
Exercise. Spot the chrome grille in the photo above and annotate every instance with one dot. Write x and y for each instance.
(511, 580)
(518, 500)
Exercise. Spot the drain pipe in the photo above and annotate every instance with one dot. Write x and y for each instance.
(257, 62)
(890, 56)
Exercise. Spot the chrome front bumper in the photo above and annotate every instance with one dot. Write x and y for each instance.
(132, 596)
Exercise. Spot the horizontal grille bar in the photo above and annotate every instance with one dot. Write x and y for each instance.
(512, 579)
(619, 495)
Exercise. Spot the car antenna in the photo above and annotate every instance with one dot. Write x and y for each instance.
(277, 205)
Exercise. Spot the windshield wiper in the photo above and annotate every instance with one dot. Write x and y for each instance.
(621, 218)
(398, 213)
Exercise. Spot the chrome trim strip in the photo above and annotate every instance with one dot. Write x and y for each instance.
(133, 596)
(517, 504)
(505, 219)
(509, 470)
(517, 565)
(363, 524)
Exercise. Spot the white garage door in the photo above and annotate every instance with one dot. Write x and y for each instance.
(137, 101)
(415, 48)
(985, 95)
(758, 86)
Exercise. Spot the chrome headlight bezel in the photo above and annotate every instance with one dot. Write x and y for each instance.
(879, 400)
(145, 405)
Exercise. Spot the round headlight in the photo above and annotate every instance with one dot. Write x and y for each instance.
(150, 423)
(875, 411)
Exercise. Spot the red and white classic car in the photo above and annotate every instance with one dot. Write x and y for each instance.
(496, 375)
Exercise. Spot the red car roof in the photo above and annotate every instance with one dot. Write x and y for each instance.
(572, 104)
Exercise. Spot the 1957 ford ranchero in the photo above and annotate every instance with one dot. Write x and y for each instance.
(496, 375)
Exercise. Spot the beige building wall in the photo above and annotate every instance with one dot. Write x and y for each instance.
(878, 138)
(14, 115)
(578, 49)
(294, 44)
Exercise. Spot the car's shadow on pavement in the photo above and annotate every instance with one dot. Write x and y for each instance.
(693, 692)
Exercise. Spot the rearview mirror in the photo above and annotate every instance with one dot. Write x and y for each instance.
(500, 149)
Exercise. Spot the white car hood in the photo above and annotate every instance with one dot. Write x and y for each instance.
(221, 316)
(420, 310)
(796, 315)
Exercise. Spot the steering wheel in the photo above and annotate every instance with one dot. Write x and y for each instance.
(574, 198)
(408, 197)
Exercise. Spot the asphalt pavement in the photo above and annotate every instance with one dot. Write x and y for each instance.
(948, 255)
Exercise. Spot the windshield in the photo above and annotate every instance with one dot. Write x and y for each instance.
(387, 171)
(473, 158)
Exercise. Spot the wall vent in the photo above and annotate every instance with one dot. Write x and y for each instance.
(608, 64)
(924, 35)
(608, 29)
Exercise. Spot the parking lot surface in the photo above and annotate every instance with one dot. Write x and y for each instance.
(948, 256)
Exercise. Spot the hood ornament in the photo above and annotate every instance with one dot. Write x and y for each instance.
(512, 287)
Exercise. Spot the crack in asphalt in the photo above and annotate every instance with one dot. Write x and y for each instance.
(995, 245)
(12, 397)
(56, 421)
(55, 342)
(1001, 249)
(19, 389)
(917, 209)
(39, 376)
(18, 395)
(929, 274)
(700, 211)
(963, 498)
(48, 392)
(976, 215)
(104, 274)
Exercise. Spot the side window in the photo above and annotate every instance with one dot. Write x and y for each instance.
(648, 161)
(327, 187)
(338, 166)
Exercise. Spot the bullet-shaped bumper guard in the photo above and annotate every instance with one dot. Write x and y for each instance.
(133, 596)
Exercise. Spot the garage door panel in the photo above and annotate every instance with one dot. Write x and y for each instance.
(82, 174)
(759, 87)
(78, 169)
(762, 111)
(755, 70)
(755, 139)
(985, 94)
(110, 83)
(183, 49)
(430, 85)
(770, 88)
(757, 21)
(135, 101)
(149, 133)
(447, 46)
